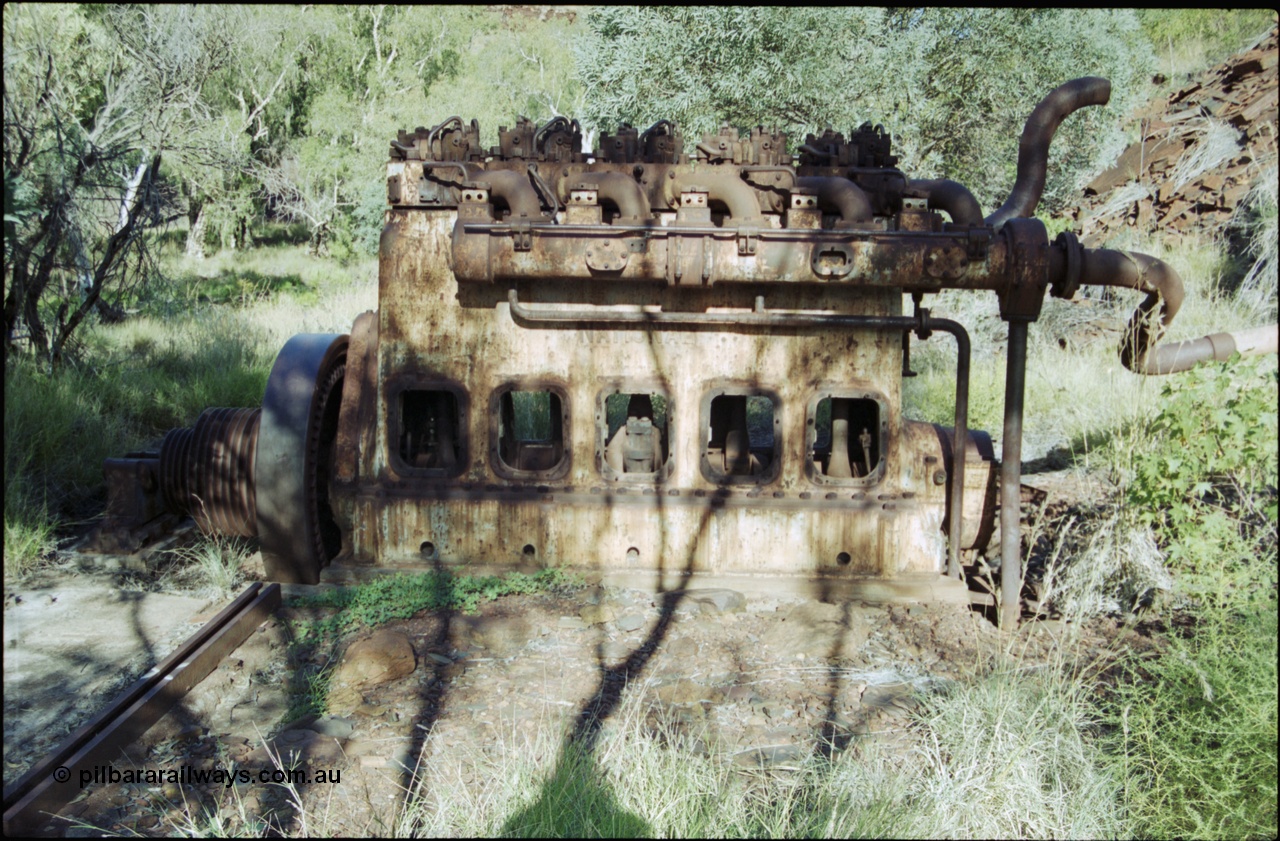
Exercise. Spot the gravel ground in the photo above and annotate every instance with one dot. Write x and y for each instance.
(758, 684)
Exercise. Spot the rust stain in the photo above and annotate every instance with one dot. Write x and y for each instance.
(724, 385)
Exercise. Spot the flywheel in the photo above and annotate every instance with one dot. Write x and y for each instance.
(296, 527)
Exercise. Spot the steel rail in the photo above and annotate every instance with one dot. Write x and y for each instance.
(54, 781)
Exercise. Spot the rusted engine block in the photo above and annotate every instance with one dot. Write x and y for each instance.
(660, 359)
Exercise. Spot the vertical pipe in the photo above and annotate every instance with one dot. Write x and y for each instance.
(1011, 477)
(959, 452)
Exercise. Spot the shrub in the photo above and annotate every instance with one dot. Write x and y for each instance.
(1205, 479)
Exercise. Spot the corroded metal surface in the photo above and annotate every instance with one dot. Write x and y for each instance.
(295, 458)
(663, 356)
(207, 471)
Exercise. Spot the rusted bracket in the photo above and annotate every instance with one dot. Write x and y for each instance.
(521, 236)
(978, 242)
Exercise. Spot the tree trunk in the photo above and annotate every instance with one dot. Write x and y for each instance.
(116, 248)
(318, 247)
(131, 190)
(195, 234)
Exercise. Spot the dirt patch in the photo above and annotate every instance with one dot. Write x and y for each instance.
(759, 688)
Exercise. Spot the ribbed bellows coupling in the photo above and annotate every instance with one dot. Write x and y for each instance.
(207, 471)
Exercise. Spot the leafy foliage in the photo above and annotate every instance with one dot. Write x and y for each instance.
(961, 82)
(1204, 35)
(1206, 480)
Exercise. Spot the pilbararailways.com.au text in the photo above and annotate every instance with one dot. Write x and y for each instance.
(184, 775)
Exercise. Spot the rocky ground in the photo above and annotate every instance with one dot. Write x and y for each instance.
(1199, 151)
(758, 684)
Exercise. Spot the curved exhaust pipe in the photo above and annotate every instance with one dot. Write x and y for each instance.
(951, 196)
(735, 193)
(1033, 147)
(1139, 348)
(624, 192)
(514, 189)
(839, 195)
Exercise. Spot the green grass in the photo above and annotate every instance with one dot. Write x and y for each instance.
(402, 596)
(1003, 756)
(1193, 732)
(213, 565)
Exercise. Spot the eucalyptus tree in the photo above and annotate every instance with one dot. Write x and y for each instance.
(371, 70)
(953, 86)
(252, 102)
(95, 100)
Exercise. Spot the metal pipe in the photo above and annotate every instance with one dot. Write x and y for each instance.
(623, 191)
(546, 191)
(580, 315)
(514, 189)
(1011, 477)
(431, 135)
(951, 196)
(1033, 147)
(556, 121)
(839, 195)
(667, 124)
(723, 187)
(1139, 351)
(960, 446)
(815, 151)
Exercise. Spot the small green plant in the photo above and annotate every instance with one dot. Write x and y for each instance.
(28, 539)
(313, 699)
(1205, 479)
(214, 564)
(1193, 733)
(401, 596)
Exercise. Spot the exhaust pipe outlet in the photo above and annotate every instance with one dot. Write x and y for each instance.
(1033, 147)
(615, 187)
(841, 196)
(1139, 348)
(736, 194)
(514, 189)
(951, 196)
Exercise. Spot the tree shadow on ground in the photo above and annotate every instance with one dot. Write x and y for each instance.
(576, 802)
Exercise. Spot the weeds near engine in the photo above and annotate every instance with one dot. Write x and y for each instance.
(213, 566)
(1004, 756)
(1193, 733)
(400, 597)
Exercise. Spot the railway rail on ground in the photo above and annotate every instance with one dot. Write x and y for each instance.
(54, 781)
